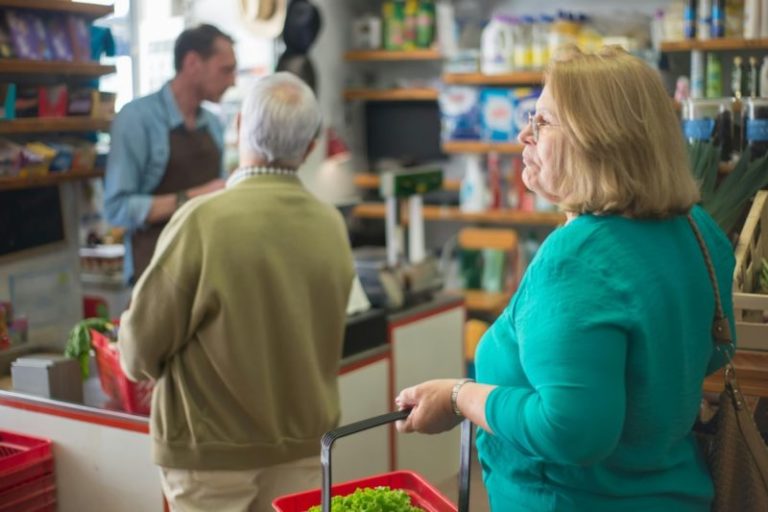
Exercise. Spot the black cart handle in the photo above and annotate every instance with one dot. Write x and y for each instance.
(330, 437)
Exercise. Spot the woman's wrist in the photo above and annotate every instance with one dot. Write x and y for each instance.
(455, 396)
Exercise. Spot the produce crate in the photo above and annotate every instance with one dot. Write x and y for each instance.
(751, 309)
(422, 494)
(134, 397)
(23, 458)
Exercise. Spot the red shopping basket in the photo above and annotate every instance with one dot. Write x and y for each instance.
(423, 495)
(134, 397)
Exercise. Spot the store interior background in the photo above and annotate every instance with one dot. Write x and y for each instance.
(44, 283)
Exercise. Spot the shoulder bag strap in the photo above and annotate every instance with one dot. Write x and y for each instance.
(721, 329)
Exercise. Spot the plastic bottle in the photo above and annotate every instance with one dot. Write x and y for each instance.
(714, 76)
(704, 19)
(753, 76)
(689, 19)
(751, 19)
(524, 43)
(425, 24)
(497, 46)
(764, 78)
(717, 27)
(473, 196)
(737, 76)
(697, 74)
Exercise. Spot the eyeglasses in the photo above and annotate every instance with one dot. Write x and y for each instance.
(535, 122)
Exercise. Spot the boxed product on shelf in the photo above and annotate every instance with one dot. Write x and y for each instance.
(24, 35)
(62, 160)
(80, 102)
(7, 101)
(11, 155)
(39, 157)
(27, 101)
(460, 113)
(52, 101)
(80, 34)
(750, 303)
(59, 41)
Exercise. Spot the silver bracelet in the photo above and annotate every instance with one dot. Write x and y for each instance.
(455, 396)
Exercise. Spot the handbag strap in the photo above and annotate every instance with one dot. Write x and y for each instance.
(721, 328)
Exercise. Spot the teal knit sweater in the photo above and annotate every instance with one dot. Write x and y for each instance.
(599, 361)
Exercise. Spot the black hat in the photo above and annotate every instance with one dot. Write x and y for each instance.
(302, 24)
(300, 65)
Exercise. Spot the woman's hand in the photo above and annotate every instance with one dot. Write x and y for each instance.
(430, 404)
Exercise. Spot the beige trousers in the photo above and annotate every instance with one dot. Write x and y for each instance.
(238, 491)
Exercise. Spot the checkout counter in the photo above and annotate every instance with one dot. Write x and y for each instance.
(102, 455)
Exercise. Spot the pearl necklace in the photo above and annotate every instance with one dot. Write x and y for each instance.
(242, 173)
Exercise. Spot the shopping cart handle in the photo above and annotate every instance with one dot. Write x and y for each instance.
(330, 437)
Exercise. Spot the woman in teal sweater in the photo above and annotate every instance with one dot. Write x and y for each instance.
(590, 381)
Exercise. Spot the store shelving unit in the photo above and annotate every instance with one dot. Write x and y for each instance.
(15, 182)
(84, 9)
(454, 214)
(369, 180)
(392, 55)
(53, 124)
(479, 146)
(515, 78)
(411, 94)
(49, 67)
(35, 71)
(710, 45)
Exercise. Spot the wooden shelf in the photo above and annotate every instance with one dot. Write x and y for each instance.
(89, 10)
(451, 213)
(720, 44)
(477, 146)
(371, 181)
(517, 78)
(14, 183)
(54, 124)
(384, 55)
(751, 372)
(54, 67)
(415, 94)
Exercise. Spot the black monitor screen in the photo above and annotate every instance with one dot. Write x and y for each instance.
(407, 131)
(30, 218)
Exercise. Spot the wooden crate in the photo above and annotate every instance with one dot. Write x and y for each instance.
(751, 309)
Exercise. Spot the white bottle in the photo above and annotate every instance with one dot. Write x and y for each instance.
(473, 195)
(497, 46)
(764, 78)
(751, 19)
(763, 18)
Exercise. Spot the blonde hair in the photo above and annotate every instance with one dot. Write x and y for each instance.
(623, 150)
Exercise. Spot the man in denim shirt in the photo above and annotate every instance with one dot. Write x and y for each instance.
(166, 148)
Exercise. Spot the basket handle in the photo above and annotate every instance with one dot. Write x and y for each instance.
(329, 438)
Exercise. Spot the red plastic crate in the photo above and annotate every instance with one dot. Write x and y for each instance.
(41, 500)
(23, 457)
(422, 494)
(134, 397)
(27, 489)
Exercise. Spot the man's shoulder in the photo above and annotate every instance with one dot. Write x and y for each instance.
(143, 106)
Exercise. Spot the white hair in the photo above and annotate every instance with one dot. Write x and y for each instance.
(280, 117)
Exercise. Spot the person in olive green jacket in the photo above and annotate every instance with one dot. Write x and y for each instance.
(239, 320)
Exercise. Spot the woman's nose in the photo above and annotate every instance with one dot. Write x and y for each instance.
(526, 135)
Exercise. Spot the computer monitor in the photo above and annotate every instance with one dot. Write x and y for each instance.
(405, 131)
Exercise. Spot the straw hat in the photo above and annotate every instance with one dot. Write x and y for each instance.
(265, 18)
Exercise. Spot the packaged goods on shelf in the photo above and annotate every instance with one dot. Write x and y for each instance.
(755, 123)
(460, 113)
(52, 101)
(710, 120)
(7, 101)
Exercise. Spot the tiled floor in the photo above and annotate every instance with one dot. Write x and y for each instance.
(478, 499)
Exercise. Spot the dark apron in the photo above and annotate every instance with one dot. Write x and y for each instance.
(194, 159)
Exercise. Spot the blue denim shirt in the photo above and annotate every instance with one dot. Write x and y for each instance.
(139, 153)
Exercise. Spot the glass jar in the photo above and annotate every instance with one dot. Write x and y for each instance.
(755, 122)
(710, 120)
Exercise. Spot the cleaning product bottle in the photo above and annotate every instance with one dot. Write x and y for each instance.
(736, 78)
(714, 76)
(764, 78)
(473, 195)
(497, 46)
